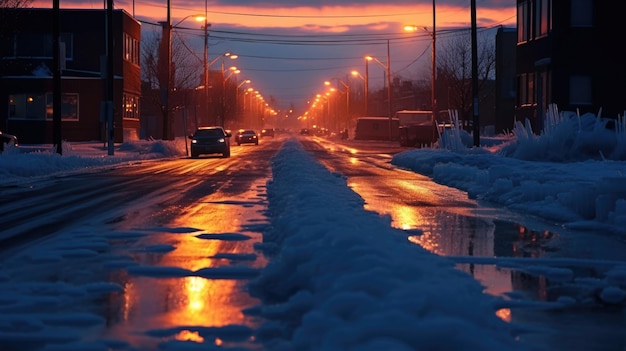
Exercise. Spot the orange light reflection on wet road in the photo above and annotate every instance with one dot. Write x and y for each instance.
(444, 230)
(158, 302)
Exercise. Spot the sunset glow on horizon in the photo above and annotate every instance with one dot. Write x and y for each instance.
(288, 49)
(325, 19)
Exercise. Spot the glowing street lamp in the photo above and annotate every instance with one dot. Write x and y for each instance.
(387, 67)
(347, 87)
(365, 87)
(433, 81)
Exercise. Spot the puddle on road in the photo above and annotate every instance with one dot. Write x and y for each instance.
(589, 325)
(168, 301)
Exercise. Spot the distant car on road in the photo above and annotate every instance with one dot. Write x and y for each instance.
(269, 132)
(247, 136)
(210, 140)
(305, 131)
(7, 139)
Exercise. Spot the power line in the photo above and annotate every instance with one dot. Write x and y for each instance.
(283, 16)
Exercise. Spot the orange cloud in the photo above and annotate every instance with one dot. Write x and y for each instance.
(326, 19)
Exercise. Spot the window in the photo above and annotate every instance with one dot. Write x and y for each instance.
(534, 19)
(543, 88)
(130, 109)
(39, 107)
(543, 21)
(27, 106)
(582, 13)
(580, 90)
(522, 22)
(39, 45)
(131, 49)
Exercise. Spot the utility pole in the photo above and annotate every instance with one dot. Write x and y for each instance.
(165, 55)
(56, 77)
(206, 72)
(110, 81)
(206, 65)
(475, 120)
(366, 88)
(433, 96)
(389, 104)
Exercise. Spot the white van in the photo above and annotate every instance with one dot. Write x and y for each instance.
(376, 128)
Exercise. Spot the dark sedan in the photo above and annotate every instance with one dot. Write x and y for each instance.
(247, 136)
(210, 140)
(267, 132)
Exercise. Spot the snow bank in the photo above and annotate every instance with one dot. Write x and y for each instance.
(341, 278)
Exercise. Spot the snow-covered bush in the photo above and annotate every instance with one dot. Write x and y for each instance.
(569, 137)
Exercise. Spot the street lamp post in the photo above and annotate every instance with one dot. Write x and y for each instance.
(206, 68)
(233, 70)
(367, 87)
(246, 81)
(365, 93)
(166, 71)
(475, 117)
(166, 66)
(387, 67)
(223, 78)
(433, 79)
(433, 96)
(347, 86)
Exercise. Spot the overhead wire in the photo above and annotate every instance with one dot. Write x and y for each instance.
(343, 39)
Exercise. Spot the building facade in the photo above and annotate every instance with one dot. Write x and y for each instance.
(568, 54)
(26, 74)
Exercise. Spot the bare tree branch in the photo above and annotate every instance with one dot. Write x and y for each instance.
(454, 70)
(14, 4)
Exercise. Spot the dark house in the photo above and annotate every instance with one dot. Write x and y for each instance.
(505, 80)
(569, 54)
(26, 82)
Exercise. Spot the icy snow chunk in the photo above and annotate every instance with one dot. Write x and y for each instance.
(617, 276)
(612, 294)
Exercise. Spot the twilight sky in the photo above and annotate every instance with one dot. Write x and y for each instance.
(289, 48)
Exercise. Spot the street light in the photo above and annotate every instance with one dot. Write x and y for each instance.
(165, 68)
(365, 87)
(387, 67)
(223, 92)
(347, 86)
(246, 81)
(233, 70)
(433, 79)
(205, 61)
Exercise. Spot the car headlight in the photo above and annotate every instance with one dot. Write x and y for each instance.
(221, 140)
(193, 141)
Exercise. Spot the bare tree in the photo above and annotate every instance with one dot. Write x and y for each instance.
(454, 71)
(185, 63)
(186, 71)
(10, 15)
(14, 4)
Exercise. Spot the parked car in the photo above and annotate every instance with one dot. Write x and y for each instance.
(7, 139)
(247, 136)
(267, 132)
(210, 140)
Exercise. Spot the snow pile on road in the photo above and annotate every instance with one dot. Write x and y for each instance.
(341, 278)
(28, 161)
(571, 173)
